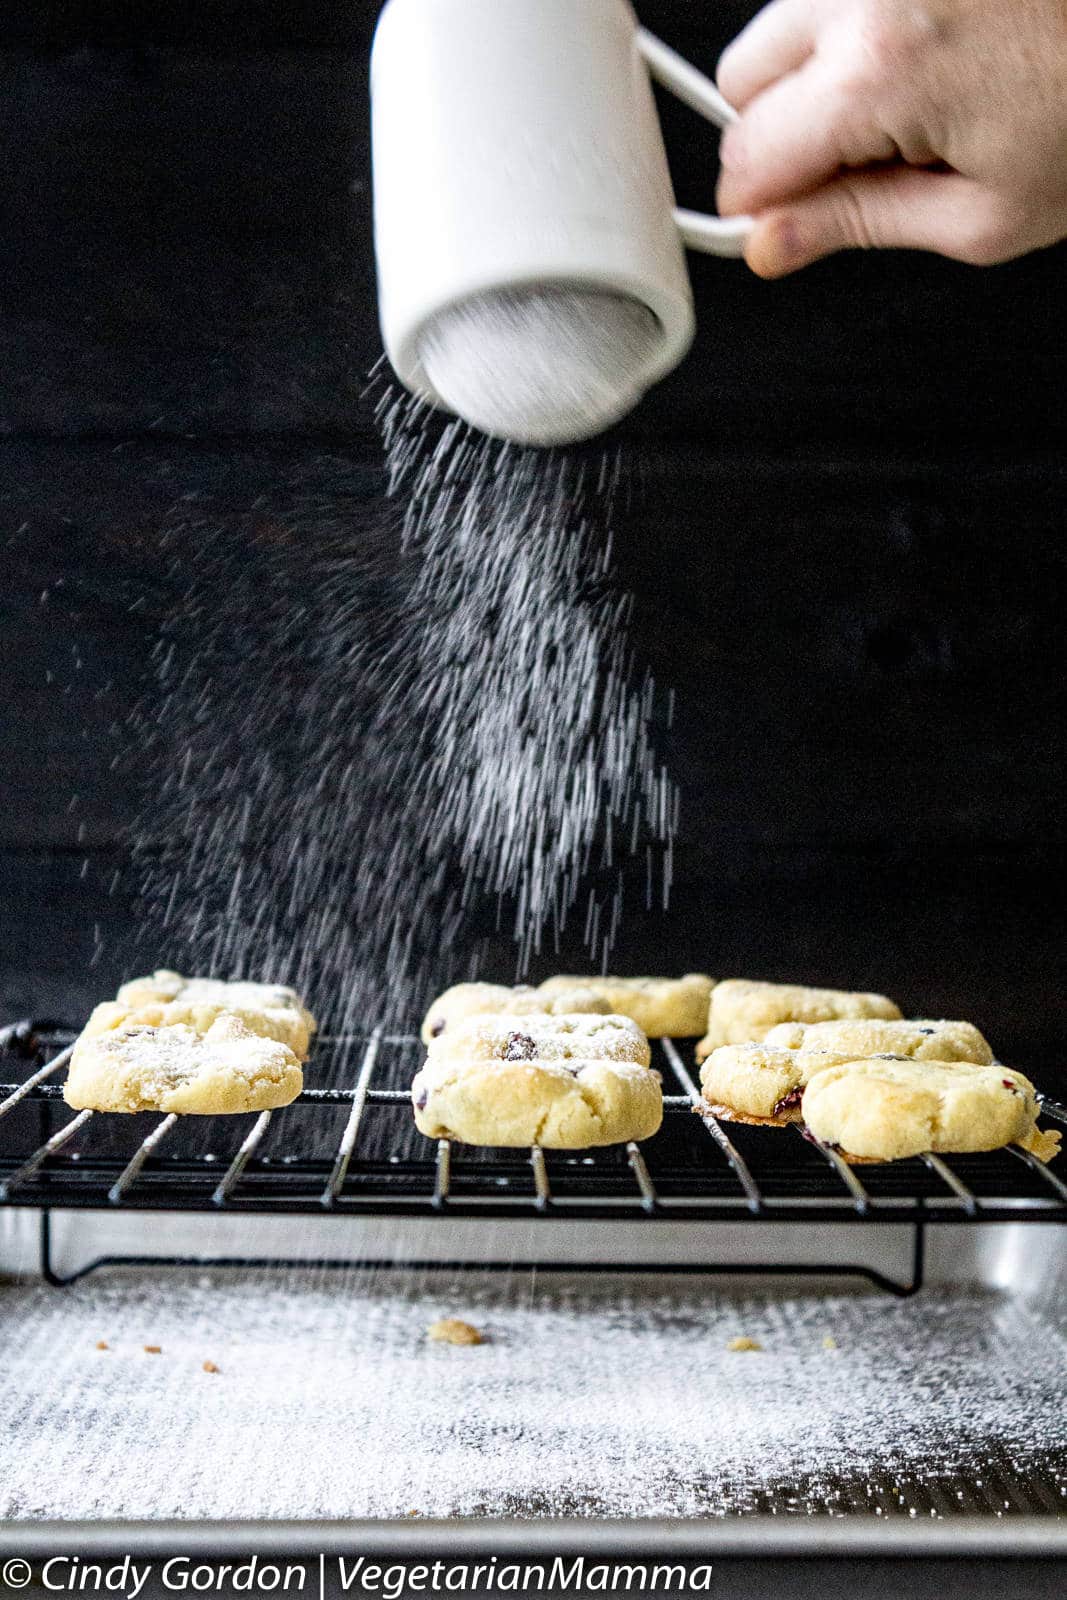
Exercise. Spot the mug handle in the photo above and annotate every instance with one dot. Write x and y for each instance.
(715, 236)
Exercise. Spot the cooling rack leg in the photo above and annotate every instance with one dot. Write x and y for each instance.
(44, 1251)
(55, 1279)
(918, 1254)
(904, 1291)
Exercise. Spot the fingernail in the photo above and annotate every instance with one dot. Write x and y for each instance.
(731, 151)
(776, 248)
(790, 244)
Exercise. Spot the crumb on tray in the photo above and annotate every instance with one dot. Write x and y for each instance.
(743, 1343)
(153, 1349)
(450, 1330)
(209, 1366)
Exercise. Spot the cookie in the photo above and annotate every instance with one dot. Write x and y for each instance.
(572, 1106)
(763, 1081)
(224, 1071)
(743, 1010)
(272, 1010)
(887, 1109)
(873, 1036)
(758, 1083)
(541, 1037)
(279, 1023)
(465, 1000)
(662, 1007)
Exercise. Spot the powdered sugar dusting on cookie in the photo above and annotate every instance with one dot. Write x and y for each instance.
(228, 1069)
(543, 1037)
(161, 1057)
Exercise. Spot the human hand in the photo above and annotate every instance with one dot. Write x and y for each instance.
(939, 125)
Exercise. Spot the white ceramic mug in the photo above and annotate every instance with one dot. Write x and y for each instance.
(516, 143)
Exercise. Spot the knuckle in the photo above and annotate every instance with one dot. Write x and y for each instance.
(851, 219)
(856, 78)
(916, 144)
(894, 33)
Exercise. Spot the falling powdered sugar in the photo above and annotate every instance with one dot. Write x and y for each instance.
(542, 744)
(368, 744)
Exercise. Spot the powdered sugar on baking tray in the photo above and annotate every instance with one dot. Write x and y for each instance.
(586, 1400)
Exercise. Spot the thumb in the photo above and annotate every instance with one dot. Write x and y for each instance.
(892, 208)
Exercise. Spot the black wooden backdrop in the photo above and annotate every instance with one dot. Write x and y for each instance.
(846, 538)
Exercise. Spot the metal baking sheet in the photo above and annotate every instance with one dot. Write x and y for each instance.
(589, 1400)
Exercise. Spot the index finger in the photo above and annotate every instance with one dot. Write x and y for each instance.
(792, 137)
(779, 39)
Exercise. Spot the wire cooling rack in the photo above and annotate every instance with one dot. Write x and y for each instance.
(353, 1149)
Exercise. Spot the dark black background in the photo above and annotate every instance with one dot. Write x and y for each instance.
(845, 537)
